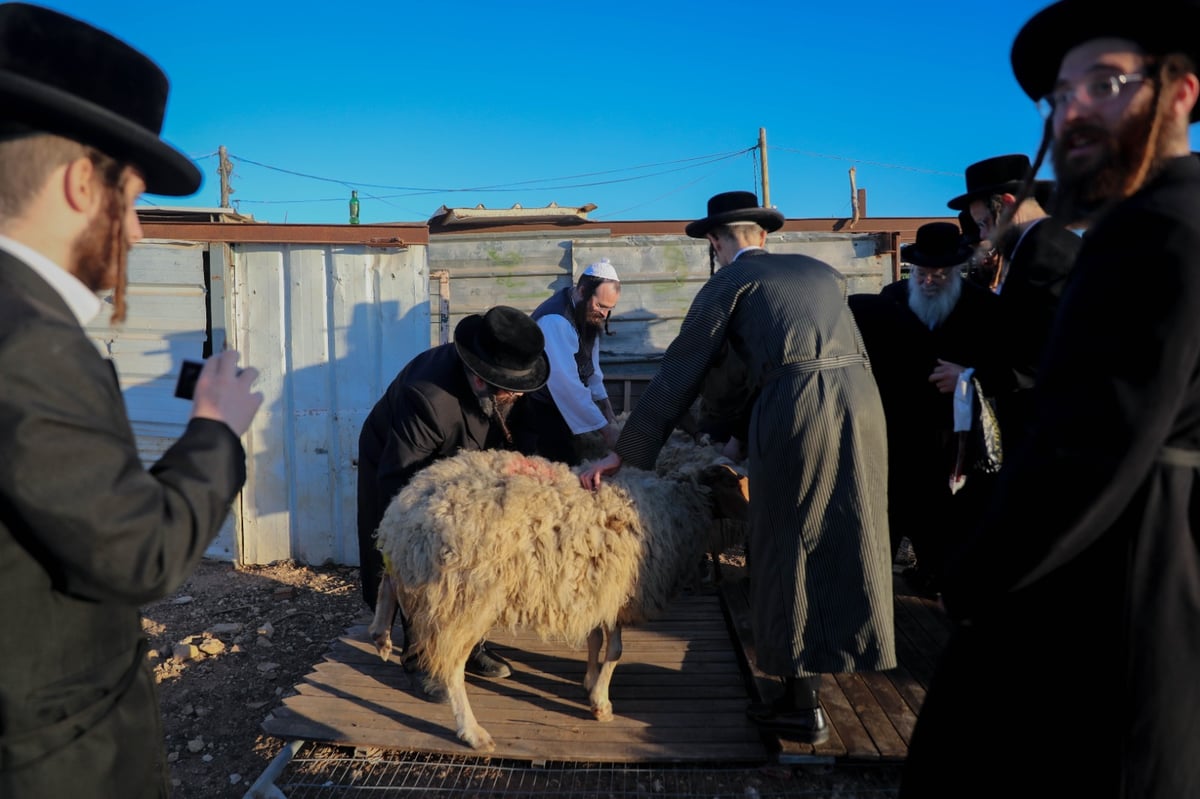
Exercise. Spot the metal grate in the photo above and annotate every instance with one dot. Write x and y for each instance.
(324, 772)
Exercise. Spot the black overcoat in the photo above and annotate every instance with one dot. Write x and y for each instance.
(87, 535)
(820, 571)
(1074, 669)
(922, 445)
(1041, 262)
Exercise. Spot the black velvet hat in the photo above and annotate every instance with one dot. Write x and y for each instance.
(62, 76)
(1158, 26)
(939, 245)
(735, 206)
(505, 347)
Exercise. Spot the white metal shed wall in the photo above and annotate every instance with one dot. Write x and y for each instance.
(660, 276)
(167, 321)
(328, 327)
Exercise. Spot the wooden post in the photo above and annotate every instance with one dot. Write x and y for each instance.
(766, 180)
(224, 169)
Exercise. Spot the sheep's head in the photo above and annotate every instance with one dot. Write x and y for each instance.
(729, 491)
(729, 498)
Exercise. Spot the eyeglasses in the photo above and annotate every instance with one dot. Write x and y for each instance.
(1091, 92)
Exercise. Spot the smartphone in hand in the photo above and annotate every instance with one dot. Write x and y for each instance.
(185, 387)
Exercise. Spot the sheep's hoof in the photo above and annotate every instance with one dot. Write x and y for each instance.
(603, 712)
(478, 738)
(383, 644)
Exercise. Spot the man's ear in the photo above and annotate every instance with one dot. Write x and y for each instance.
(1187, 94)
(80, 186)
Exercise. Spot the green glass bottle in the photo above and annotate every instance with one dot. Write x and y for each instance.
(354, 207)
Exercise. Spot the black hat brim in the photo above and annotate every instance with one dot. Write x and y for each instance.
(768, 218)
(522, 381)
(909, 254)
(963, 201)
(1042, 191)
(45, 108)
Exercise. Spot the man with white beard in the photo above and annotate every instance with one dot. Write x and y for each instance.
(910, 325)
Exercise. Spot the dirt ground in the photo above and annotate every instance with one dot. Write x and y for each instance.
(233, 641)
(245, 636)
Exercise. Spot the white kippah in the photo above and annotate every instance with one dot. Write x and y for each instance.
(603, 270)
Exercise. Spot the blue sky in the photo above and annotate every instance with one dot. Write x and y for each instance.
(644, 109)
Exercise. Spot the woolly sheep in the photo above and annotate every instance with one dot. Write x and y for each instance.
(497, 539)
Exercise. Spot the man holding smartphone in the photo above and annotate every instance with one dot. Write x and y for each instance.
(87, 535)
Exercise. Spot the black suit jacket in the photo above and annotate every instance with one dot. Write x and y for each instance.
(1038, 270)
(87, 535)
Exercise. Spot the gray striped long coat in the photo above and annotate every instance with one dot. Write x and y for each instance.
(820, 561)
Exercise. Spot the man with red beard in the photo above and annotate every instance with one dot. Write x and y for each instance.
(87, 535)
(1072, 671)
(460, 396)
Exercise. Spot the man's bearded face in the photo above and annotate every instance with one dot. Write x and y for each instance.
(933, 293)
(496, 403)
(591, 314)
(1085, 184)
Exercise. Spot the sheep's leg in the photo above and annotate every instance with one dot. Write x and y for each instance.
(386, 606)
(469, 730)
(594, 640)
(598, 689)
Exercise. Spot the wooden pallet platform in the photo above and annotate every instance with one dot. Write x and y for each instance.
(679, 695)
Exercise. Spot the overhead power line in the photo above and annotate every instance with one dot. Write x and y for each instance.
(563, 182)
(688, 163)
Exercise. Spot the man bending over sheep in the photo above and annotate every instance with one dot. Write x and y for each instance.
(820, 565)
(460, 396)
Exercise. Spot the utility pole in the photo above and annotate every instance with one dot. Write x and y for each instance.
(224, 169)
(766, 180)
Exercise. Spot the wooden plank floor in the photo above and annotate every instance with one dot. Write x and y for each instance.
(871, 714)
(679, 695)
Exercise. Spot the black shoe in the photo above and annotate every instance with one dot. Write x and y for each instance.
(921, 582)
(419, 679)
(806, 725)
(485, 663)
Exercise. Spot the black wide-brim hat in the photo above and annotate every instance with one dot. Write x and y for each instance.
(1157, 26)
(938, 245)
(505, 347)
(1002, 174)
(62, 76)
(735, 206)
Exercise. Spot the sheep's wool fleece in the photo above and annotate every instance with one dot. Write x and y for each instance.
(495, 538)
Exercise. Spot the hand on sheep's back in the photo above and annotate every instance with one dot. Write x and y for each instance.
(589, 478)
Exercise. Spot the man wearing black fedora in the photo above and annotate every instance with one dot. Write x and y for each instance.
(1035, 253)
(820, 566)
(1076, 652)
(466, 395)
(87, 535)
(907, 327)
